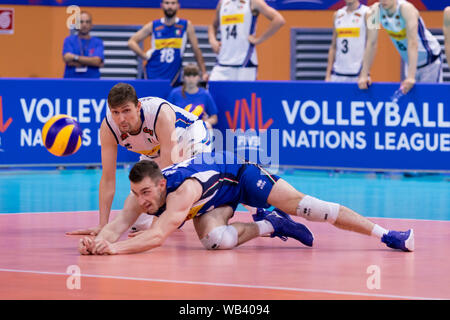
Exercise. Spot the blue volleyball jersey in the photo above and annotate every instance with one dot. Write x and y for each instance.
(225, 180)
(168, 44)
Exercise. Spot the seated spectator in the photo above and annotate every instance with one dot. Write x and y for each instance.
(82, 53)
(194, 98)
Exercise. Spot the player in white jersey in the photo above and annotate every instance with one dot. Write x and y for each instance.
(446, 29)
(349, 40)
(417, 46)
(236, 19)
(150, 126)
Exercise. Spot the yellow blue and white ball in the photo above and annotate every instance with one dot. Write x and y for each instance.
(62, 135)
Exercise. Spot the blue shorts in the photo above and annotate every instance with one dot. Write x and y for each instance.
(255, 183)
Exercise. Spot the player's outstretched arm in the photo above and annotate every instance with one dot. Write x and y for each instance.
(107, 181)
(178, 204)
(411, 16)
(372, 22)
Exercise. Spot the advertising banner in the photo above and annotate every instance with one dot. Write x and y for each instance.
(291, 123)
(326, 125)
(26, 104)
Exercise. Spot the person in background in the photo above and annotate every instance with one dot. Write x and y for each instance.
(346, 51)
(418, 48)
(236, 53)
(82, 53)
(191, 97)
(168, 35)
(447, 32)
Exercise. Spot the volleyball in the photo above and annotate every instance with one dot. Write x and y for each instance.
(197, 110)
(61, 135)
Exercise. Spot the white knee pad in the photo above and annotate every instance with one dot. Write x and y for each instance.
(223, 237)
(314, 209)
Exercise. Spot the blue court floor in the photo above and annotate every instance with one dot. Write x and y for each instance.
(387, 195)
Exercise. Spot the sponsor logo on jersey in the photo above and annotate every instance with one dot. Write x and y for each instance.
(168, 43)
(348, 32)
(147, 130)
(151, 152)
(232, 19)
(400, 35)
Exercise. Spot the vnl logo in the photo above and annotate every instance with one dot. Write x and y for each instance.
(249, 135)
(252, 115)
(3, 126)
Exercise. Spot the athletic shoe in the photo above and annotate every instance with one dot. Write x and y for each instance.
(399, 240)
(284, 226)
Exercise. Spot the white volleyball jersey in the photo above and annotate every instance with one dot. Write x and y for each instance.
(146, 141)
(236, 23)
(395, 26)
(350, 30)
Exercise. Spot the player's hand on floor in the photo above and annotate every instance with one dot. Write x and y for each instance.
(86, 246)
(88, 232)
(103, 247)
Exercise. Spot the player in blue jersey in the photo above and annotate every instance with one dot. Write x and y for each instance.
(207, 189)
(168, 41)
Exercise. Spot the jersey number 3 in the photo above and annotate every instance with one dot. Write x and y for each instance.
(344, 49)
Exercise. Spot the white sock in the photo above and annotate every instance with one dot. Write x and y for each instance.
(265, 227)
(378, 231)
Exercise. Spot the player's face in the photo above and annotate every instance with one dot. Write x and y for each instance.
(127, 117)
(85, 24)
(150, 194)
(170, 7)
(191, 80)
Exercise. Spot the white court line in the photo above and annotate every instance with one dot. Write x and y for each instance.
(238, 212)
(227, 285)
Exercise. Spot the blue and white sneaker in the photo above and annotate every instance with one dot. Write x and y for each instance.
(403, 240)
(284, 226)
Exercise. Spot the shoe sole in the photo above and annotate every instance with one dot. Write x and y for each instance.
(409, 243)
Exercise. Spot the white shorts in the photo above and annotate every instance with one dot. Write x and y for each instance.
(337, 78)
(432, 73)
(194, 140)
(221, 73)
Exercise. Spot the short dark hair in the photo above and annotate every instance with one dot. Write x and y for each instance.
(122, 93)
(145, 168)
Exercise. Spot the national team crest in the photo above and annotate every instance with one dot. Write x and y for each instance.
(149, 131)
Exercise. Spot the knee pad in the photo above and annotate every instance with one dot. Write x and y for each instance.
(313, 209)
(223, 237)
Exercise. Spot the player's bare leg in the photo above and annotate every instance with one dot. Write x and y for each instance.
(286, 198)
